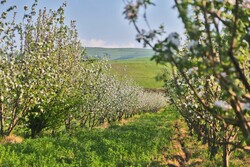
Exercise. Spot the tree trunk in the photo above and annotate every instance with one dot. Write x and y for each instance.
(12, 125)
(2, 121)
(226, 155)
(243, 123)
(84, 121)
(68, 123)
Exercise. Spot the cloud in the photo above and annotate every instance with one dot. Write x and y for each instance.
(101, 43)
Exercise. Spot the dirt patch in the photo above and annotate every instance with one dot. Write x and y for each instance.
(13, 139)
(180, 155)
(121, 122)
(105, 125)
(155, 90)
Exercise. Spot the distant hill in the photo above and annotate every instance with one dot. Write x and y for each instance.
(119, 53)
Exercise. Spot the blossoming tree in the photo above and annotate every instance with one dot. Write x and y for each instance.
(213, 63)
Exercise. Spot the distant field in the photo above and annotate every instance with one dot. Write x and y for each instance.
(119, 53)
(141, 70)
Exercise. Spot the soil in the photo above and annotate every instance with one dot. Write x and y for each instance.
(181, 155)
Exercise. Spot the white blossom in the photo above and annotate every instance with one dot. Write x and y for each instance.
(245, 3)
(192, 43)
(151, 34)
(245, 106)
(174, 39)
(231, 2)
(191, 70)
(131, 10)
(222, 104)
(232, 69)
(223, 74)
(200, 87)
(139, 37)
(200, 94)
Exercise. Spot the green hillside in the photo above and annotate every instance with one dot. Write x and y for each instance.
(141, 70)
(119, 53)
(131, 62)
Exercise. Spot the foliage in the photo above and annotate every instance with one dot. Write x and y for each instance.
(212, 84)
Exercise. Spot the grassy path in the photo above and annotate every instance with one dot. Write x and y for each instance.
(137, 143)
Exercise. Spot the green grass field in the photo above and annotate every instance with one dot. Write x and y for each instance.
(141, 70)
(137, 143)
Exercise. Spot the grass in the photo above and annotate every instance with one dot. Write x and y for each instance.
(138, 143)
(141, 70)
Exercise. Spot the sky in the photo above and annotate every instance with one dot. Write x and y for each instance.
(100, 23)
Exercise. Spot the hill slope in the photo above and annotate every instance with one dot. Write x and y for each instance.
(141, 70)
(132, 62)
(119, 53)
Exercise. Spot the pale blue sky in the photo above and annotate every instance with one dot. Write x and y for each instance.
(101, 24)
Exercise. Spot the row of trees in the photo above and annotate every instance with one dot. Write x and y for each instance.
(47, 82)
(210, 83)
